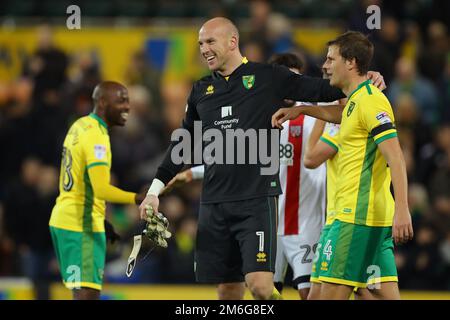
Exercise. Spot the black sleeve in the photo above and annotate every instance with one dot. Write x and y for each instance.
(168, 169)
(290, 85)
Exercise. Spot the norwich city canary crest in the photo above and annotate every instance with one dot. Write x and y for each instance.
(248, 81)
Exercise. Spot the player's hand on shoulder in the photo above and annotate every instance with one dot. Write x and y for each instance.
(377, 79)
(149, 200)
(284, 114)
(402, 230)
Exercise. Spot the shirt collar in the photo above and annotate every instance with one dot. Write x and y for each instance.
(100, 120)
(362, 84)
(237, 70)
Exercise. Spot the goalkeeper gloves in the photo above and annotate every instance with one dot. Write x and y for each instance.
(156, 228)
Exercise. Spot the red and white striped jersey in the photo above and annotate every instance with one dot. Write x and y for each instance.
(302, 204)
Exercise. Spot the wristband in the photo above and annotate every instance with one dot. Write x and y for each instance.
(198, 172)
(155, 188)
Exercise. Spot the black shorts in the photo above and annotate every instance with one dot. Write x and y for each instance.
(236, 238)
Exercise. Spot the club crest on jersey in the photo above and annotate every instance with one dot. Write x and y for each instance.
(248, 81)
(350, 108)
(99, 151)
(295, 131)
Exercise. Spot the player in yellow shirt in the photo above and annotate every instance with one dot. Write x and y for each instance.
(358, 250)
(77, 221)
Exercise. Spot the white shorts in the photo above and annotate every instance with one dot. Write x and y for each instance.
(297, 251)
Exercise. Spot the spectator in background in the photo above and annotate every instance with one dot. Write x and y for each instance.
(433, 57)
(47, 69)
(174, 99)
(47, 66)
(28, 204)
(260, 11)
(140, 141)
(413, 132)
(253, 51)
(444, 89)
(439, 186)
(279, 33)
(422, 90)
(387, 43)
(422, 267)
(431, 157)
(85, 75)
(141, 72)
(444, 250)
(16, 126)
(178, 259)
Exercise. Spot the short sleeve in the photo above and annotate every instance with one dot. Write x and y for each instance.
(377, 118)
(331, 135)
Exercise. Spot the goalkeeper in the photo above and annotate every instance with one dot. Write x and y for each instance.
(77, 222)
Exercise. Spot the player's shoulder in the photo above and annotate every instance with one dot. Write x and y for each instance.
(202, 86)
(371, 94)
(202, 81)
(261, 65)
(91, 126)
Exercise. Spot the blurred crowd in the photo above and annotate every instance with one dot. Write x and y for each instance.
(37, 108)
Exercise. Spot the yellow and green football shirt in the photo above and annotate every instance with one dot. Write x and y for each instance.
(86, 145)
(330, 136)
(363, 178)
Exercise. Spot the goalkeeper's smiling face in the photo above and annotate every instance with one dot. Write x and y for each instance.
(117, 107)
(216, 45)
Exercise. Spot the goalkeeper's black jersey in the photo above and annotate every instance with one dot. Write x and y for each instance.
(245, 100)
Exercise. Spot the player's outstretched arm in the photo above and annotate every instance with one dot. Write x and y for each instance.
(317, 151)
(402, 229)
(327, 113)
(99, 177)
(290, 85)
(184, 177)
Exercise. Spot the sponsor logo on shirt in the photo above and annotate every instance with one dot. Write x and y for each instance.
(210, 89)
(383, 118)
(333, 129)
(227, 111)
(296, 131)
(99, 151)
(261, 257)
